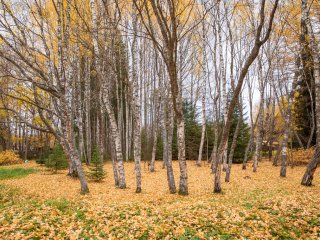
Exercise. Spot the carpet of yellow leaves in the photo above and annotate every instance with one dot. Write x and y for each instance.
(252, 206)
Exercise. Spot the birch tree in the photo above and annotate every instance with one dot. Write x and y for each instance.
(136, 104)
(166, 15)
(258, 42)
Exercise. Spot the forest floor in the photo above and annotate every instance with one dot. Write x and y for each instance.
(252, 206)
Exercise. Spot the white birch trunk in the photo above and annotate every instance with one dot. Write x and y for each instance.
(87, 99)
(106, 100)
(203, 100)
(136, 106)
(224, 88)
(155, 133)
(259, 137)
(170, 122)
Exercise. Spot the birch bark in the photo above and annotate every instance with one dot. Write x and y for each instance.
(136, 105)
(203, 100)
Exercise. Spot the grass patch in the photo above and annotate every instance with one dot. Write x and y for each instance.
(6, 173)
(61, 204)
(248, 205)
(8, 197)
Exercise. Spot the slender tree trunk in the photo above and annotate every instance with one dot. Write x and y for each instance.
(25, 142)
(155, 133)
(203, 129)
(203, 102)
(271, 132)
(76, 160)
(118, 148)
(224, 86)
(215, 147)
(114, 160)
(154, 149)
(249, 146)
(233, 145)
(87, 99)
(178, 109)
(81, 137)
(170, 176)
(216, 110)
(283, 170)
(136, 106)
(183, 186)
(127, 128)
(260, 121)
(164, 120)
(253, 126)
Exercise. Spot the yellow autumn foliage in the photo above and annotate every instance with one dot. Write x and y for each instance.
(9, 157)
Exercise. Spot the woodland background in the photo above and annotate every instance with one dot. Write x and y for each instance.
(206, 82)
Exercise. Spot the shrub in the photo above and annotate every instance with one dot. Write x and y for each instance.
(9, 157)
(96, 172)
(57, 160)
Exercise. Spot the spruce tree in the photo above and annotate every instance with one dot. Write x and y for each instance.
(243, 137)
(43, 155)
(96, 172)
(57, 159)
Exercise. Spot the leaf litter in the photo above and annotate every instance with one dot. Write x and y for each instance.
(252, 206)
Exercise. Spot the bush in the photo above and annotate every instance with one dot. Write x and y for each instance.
(57, 160)
(96, 172)
(9, 157)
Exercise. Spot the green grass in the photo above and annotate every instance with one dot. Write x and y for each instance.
(62, 204)
(6, 173)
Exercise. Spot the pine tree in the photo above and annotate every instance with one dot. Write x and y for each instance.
(57, 159)
(96, 172)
